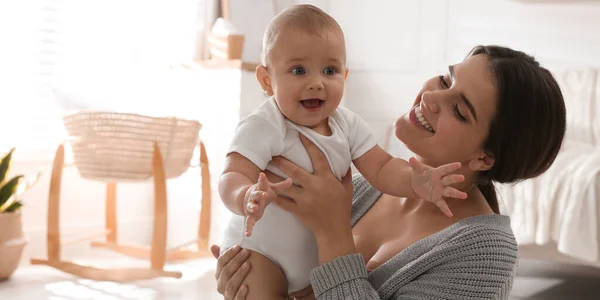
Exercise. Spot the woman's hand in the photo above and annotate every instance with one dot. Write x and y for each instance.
(232, 268)
(320, 201)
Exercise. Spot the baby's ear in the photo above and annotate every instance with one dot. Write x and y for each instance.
(262, 75)
(346, 74)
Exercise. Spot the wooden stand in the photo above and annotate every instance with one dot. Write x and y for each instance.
(156, 253)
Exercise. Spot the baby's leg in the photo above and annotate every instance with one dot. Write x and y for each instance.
(304, 294)
(266, 280)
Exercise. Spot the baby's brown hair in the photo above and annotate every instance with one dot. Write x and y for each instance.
(305, 17)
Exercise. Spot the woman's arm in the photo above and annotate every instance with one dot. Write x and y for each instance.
(323, 204)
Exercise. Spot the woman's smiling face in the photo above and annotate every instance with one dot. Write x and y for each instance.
(450, 118)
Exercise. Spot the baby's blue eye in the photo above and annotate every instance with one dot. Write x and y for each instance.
(329, 71)
(298, 71)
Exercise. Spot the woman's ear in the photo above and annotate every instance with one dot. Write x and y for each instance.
(483, 162)
(262, 75)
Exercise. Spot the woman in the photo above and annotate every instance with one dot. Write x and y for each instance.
(501, 115)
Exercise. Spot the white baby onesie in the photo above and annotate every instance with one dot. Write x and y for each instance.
(267, 133)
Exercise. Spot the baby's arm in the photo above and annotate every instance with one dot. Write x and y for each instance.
(387, 174)
(400, 178)
(241, 194)
(238, 176)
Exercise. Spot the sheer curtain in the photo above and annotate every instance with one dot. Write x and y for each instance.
(63, 55)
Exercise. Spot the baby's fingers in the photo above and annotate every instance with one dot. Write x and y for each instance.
(416, 165)
(263, 183)
(444, 207)
(448, 168)
(454, 193)
(256, 198)
(452, 179)
(258, 210)
(250, 221)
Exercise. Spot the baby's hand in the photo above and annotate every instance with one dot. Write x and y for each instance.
(258, 196)
(433, 184)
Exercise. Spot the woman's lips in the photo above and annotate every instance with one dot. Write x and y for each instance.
(412, 116)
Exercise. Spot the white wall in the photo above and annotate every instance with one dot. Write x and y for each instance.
(393, 46)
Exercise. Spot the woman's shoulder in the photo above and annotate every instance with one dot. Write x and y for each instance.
(481, 240)
(493, 228)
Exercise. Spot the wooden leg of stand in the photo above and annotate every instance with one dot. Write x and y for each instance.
(118, 275)
(53, 234)
(204, 226)
(159, 238)
(111, 212)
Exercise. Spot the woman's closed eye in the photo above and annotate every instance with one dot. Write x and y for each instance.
(458, 114)
(298, 70)
(444, 84)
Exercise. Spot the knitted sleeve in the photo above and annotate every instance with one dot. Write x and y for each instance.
(476, 263)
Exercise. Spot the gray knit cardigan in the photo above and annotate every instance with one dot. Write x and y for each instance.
(474, 258)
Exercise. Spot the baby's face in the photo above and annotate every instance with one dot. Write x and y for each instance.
(307, 74)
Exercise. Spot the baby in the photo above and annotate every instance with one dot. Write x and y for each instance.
(303, 71)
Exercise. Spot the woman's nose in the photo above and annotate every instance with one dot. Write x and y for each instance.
(430, 101)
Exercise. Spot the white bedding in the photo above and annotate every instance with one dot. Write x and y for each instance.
(560, 206)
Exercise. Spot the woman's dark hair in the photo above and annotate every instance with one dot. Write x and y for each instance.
(528, 129)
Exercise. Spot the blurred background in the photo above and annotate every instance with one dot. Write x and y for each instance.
(165, 58)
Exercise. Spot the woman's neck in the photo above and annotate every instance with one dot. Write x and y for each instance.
(474, 204)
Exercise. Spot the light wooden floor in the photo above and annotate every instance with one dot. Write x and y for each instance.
(535, 281)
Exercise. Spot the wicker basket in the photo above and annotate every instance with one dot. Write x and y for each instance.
(113, 147)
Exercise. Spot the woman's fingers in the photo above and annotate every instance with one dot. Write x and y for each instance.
(319, 161)
(224, 259)
(293, 191)
(286, 184)
(234, 284)
(215, 250)
(294, 172)
(347, 181)
(229, 269)
(242, 293)
(286, 204)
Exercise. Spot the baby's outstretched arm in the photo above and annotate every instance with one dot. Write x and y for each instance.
(400, 178)
(245, 190)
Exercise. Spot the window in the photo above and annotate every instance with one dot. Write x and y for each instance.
(64, 55)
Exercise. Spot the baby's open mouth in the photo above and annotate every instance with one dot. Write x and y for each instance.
(312, 104)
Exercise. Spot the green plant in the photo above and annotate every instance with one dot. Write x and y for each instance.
(11, 190)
